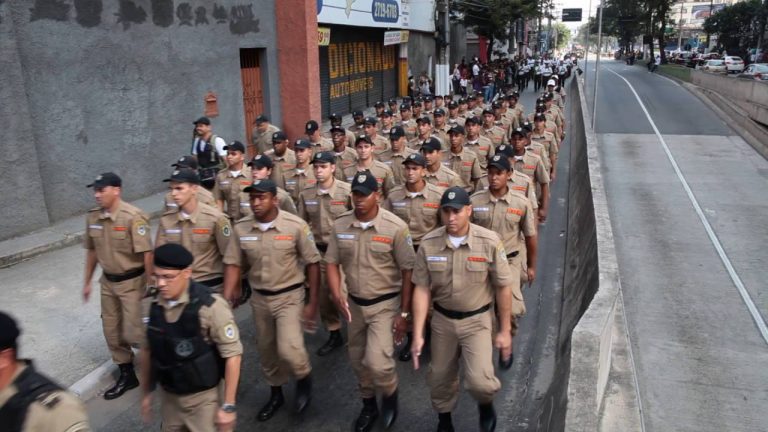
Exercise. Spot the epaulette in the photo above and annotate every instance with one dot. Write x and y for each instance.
(436, 233)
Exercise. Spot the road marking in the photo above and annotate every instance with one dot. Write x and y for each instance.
(759, 321)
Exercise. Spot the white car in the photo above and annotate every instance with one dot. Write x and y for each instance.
(717, 66)
(734, 63)
(757, 71)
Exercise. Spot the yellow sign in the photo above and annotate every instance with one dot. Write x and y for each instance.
(323, 36)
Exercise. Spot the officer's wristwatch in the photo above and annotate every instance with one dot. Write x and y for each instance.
(228, 408)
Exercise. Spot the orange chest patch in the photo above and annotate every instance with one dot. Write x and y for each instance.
(381, 239)
(119, 228)
(431, 205)
(341, 203)
(477, 259)
(283, 237)
(466, 164)
(245, 182)
(515, 211)
(201, 231)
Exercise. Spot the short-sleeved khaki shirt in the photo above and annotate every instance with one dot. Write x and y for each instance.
(420, 210)
(463, 279)
(372, 259)
(531, 165)
(263, 141)
(205, 233)
(380, 143)
(548, 140)
(507, 216)
(466, 165)
(538, 149)
(203, 195)
(459, 120)
(344, 160)
(319, 209)
(284, 202)
(119, 239)
(281, 164)
(324, 144)
(523, 184)
(442, 135)
(443, 177)
(298, 179)
(395, 162)
(275, 258)
(384, 176)
(411, 128)
(229, 188)
(483, 148)
(217, 323)
(496, 134)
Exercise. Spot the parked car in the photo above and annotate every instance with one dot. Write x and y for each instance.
(734, 64)
(698, 61)
(757, 71)
(717, 66)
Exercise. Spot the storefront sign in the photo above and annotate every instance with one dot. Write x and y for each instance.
(352, 64)
(323, 36)
(363, 13)
(395, 37)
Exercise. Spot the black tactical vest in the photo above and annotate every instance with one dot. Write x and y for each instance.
(31, 387)
(209, 158)
(182, 361)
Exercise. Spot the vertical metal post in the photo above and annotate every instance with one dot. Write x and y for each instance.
(680, 29)
(597, 64)
(586, 44)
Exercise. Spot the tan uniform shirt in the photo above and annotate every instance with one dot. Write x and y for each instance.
(513, 117)
(55, 411)
(531, 165)
(507, 216)
(380, 143)
(344, 160)
(495, 134)
(325, 144)
(483, 148)
(205, 233)
(298, 179)
(466, 165)
(463, 279)
(420, 210)
(548, 140)
(119, 239)
(538, 149)
(372, 259)
(443, 177)
(217, 323)
(395, 162)
(384, 176)
(228, 189)
(281, 164)
(320, 209)
(284, 202)
(263, 141)
(275, 257)
(357, 130)
(523, 184)
(411, 128)
(203, 195)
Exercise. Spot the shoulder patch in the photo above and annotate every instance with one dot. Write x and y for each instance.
(226, 230)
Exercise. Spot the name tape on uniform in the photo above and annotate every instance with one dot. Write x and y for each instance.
(437, 258)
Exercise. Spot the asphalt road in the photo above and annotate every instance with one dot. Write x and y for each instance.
(699, 355)
(523, 404)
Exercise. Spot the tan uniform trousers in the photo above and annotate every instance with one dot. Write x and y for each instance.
(279, 336)
(121, 316)
(329, 314)
(372, 346)
(190, 413)
(518, 264)
(473, 338)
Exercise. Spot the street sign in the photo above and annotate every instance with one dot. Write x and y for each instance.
(572, 15)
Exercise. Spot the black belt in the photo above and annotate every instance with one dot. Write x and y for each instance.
(269, 293)
(513, 254)
(125, 276)
(366, 302)
(210, 283)
(460, 315)
(322, 247)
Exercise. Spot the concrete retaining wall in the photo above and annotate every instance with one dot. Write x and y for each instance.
(751, 95)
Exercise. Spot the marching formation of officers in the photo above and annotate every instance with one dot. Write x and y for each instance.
(415, 225)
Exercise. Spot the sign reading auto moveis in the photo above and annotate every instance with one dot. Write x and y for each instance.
(364, 13)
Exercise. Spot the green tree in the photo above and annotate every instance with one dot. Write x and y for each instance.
(492, 19)
(563, 35)
(737, 26)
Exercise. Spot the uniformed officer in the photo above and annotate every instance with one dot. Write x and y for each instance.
(417, 107)
(335, 120)
(531, 165)
(407, 121)
(301, 176)
(548, 142)
(374, 249)
(261, 136)
(203, 195)
(380, 143)
(283, 158)
(201, 229)
(319, 206)
(392, 103)
(556, 112)
(461, 161)
(357, 127)
(274, 246)
(428, 110)
(365, 161)
(344, 154)
(459, 269)
(499, 119)
(489, 129)
(231, 182)
(437, 173)
(518, 181)
(480, 145)
(261, 169)
(316, 139)
(386, 121)
(515, 106)
(440, 128)
(192, 343)
(30, 401)
(119, 240)
(454, 118)
(396, 154)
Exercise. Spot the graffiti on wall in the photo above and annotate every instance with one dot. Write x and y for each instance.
(162, 13)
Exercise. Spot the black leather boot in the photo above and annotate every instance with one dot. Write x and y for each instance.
(126, 381)
(445, 424)
(303, 393)
(505, 365)
(334, 341)
(368, 415)
(389, 409)
(487, 417)
(405, 351)
(276, 400)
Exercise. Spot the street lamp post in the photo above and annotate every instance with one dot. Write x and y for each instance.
(597, 63)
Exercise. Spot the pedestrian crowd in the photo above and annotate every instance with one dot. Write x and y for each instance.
(409, 235)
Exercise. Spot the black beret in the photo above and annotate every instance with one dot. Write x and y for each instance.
(9, 331)
(173, 256)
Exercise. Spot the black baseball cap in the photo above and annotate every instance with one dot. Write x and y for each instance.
(279, 136)
(518, 131)
(184, 175)
(473, 120)
(416, 159)
(428, 98)
(396, 133)
(496, 105)
(357, 113)
(363, 138)
(262, 118)
(261, 161)
(527, 126)
(386, 113)
(371, 121)
(431, 144)
(235, 146)
(202, 120)
(324, 157)
(439, 112)
(505, 150)
(9, 331)
(462, 101)
(487, 111)
(404, 107)
(424, 119)
(172, 256)
(500, 161)
(266, 185)
(311, 127)
(458, 129)
(541, 107)
(392, 101)
(365, 183)
(186, 162)
(337, 129)
(378, 104)
(106, 179)
(455, 197)
(302, 144)
(453, 105)
(417, 103)
(540, 117)
(334, 116)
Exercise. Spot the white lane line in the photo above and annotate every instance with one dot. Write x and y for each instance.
(759, 321)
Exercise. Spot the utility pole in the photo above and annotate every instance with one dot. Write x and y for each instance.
(706, 48)
(586, 44)
(597, 64)
(680, 28)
